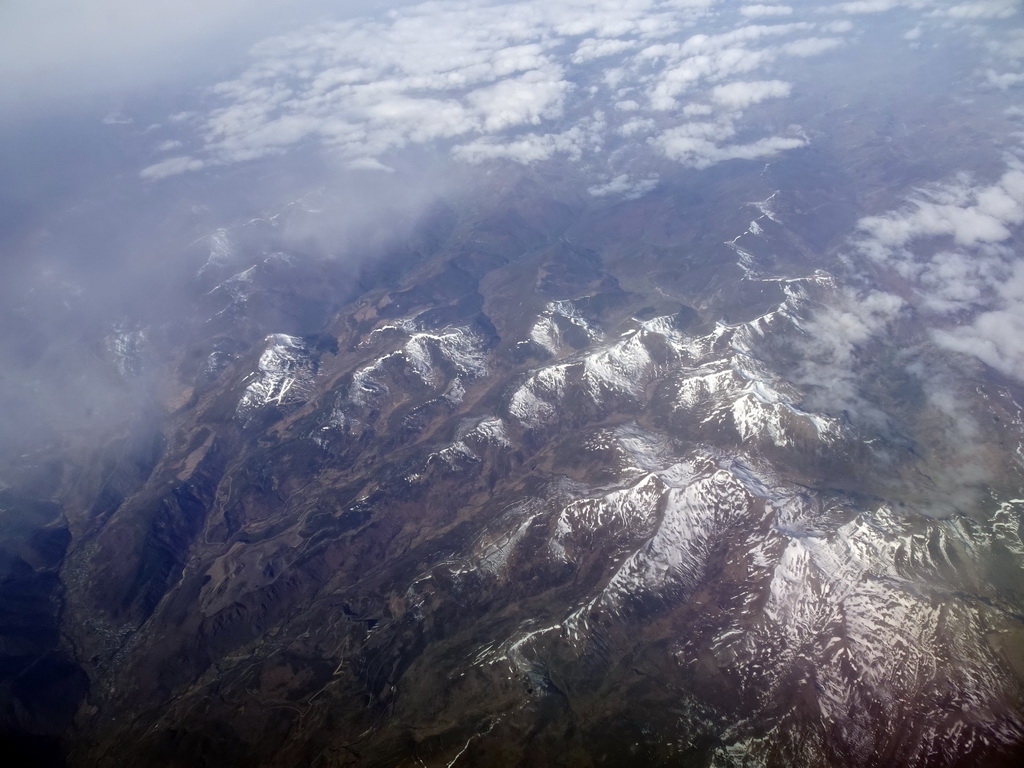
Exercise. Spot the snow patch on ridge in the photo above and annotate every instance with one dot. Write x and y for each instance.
(442, 360)
(546, 332)
(471, 440)
(692, 520)
(862, 599)
(126, 347)
(747, 261)
(717, 377)
(284, 375)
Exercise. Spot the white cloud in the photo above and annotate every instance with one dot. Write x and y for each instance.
(636, 126)
(970, 216)
(691, 71)
(996, 338)
(1010, 46)
(995, 335)
(533, 147)
(810, 46)
(864, 6)
(840, 27)
(831, 350)
(529, 149)
(740, 36)
(981, 277)
(593, 48)
(949, 248)
(1004, 80)
(369, 164)
(509, 80)
(523, 100)
(766, 10)
(980, 9)
(171, 166)
(116, 118)
(697, 145)
(499, 80)
(624, 186)
(740, 95)
(712, 58)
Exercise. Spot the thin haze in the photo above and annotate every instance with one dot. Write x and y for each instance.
(60, 53)
(137, 129)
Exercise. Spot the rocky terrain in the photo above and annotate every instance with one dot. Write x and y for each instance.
(548, 483)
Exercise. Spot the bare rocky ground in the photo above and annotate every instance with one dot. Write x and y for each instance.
(541, 485)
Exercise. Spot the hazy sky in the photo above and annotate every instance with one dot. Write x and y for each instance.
(128, 125)
(55, 53)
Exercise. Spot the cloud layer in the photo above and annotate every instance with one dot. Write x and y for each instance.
(948, 259)
(60, 53)
(528, 81)
(524, 81)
